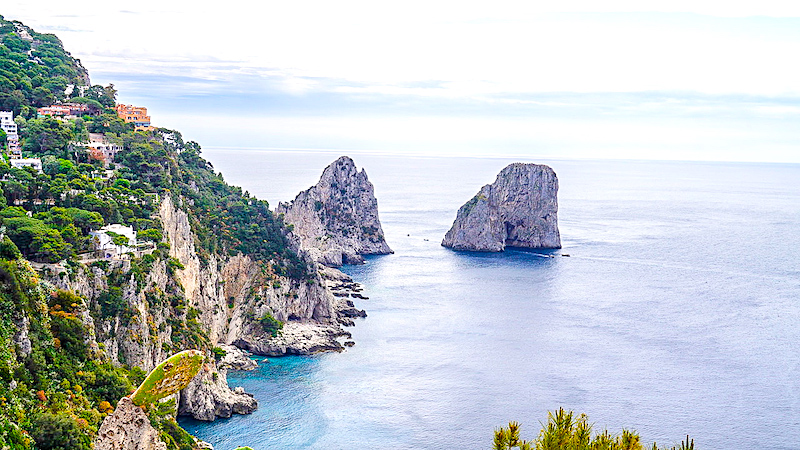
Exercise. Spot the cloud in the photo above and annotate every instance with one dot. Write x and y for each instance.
(656, 68)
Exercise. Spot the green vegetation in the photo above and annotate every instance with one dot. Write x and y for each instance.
(565, 431)
(271, 325)
(56, 391)
(40, 78)
(169, 377)
(218, 353)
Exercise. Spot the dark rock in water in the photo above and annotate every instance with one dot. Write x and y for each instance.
(518, 210)
(336, 221)
(349, 344)
(353, 312)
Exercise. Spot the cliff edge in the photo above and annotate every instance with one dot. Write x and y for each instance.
(520, 209)
(336, 220)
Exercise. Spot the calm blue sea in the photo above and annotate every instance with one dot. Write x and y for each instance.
(677, 312)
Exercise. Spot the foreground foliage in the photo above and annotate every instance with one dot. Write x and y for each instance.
(565, 431)
(169, 377)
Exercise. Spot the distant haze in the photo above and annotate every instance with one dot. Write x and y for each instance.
(676, 80)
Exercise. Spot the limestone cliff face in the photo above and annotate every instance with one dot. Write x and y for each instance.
(336, 220)
(226, 297)
(128, 428)
(520, 209)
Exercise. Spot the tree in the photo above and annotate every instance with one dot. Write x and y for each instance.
(58, 432)
(47, 136)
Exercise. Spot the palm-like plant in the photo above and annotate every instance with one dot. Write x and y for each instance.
(564, 431)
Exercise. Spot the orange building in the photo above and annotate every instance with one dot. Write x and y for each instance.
(137, 115)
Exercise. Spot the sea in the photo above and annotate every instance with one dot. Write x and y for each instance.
(673, 309)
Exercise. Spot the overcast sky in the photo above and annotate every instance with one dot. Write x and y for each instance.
(673, 80)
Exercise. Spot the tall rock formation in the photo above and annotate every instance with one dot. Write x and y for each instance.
(128, 428)
(336, 220)
(520, 209)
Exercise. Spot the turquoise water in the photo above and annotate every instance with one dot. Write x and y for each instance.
(676, 313)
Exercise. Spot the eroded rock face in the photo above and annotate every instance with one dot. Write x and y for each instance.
(336, 220)
(128, 428)
(296, 338)
(208, 396)
(520, 209)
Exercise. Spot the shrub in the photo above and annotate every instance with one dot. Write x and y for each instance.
(218, 353)
(271, 325)
(566, 431)
(59, 432)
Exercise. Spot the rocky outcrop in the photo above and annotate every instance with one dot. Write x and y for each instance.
(336, 221)
(520, 209)
(208, 396)
(128, 428)
(236, 359)
(306, 337)
(296, 338)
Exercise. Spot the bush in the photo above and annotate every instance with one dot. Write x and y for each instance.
(565, 431)
(111, 302)
(59, 432)
(218, 353)
(271, 325)
(8, 249)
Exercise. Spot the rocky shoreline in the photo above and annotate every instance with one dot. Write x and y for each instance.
(300, 337)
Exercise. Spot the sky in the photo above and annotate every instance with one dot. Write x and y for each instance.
(685, 80)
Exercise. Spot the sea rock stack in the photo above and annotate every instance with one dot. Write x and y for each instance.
(336, 220)
(520, 209)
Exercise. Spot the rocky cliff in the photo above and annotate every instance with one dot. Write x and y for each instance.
(336, 221)
(128, 428)
(179, 301)
(520, 209)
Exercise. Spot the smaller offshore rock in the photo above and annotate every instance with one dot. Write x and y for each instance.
(128, 428)
(520, 209)
(336, 220)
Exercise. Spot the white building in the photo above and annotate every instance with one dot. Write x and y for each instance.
(8, 125)
(105, 241)
(18, 163)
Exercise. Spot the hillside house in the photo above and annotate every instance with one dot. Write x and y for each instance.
(105, 246)
(65, 111)
(137, 115)
(8, 125)
(19, 163)
(52, 111)
(101, 149)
